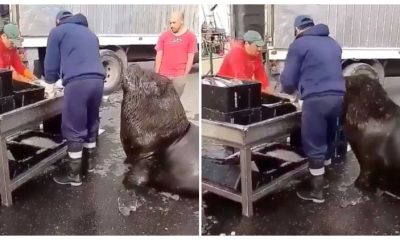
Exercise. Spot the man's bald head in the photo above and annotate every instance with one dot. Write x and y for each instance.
(176, 21)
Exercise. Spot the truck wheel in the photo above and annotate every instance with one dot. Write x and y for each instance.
(360, 68)
(114, 70)
(122, 55)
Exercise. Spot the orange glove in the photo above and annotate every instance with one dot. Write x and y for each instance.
(18, 77)
(28, 74)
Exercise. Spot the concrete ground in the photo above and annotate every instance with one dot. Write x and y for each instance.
(42, 207)
(346, 211)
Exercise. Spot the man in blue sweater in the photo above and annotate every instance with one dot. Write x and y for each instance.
(72, 55)
(313, 68)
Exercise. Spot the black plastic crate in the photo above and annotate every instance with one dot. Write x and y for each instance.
(225, 175)
(269, 112)
(22, 152)
(266, 162)
(242, 117)
(16, 168)
(7, 104)
(286, 167)
(24, 155)
(217, 152)
(55, 139)
(232, 98)
(6, 87)
(295, 137)
(53, 125)
(272, 99)
(26, 93)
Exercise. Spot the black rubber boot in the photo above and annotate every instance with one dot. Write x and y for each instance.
(70, 172)
(312, 189)
(89, 158)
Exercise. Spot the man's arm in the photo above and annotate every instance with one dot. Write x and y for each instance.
(19, 77)
(261, 75)
(52, 59)
(291, 72)
(189, 63)
(159, 48)
(192, 49)
(18, 68)
(157, 64)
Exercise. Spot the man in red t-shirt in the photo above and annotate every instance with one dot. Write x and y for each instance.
(175, 52)
(243, 61)
(10, 40)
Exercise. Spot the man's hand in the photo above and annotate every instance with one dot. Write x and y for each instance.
(20, 78)
(28, 74)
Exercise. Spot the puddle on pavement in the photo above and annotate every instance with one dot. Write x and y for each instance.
(129, 201)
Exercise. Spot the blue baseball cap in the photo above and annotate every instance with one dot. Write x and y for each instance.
(63, 14)
(303, 21)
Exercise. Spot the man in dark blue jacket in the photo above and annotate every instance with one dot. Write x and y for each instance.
(313, 68)
(72, 55)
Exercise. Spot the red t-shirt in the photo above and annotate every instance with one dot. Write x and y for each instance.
(175, 52)
(240, 65)
(10, 58)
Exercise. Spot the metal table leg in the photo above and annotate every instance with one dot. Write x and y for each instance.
(246, 180)
(5, 182)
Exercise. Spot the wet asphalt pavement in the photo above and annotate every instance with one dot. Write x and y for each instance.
(42, 207)
(346, 210)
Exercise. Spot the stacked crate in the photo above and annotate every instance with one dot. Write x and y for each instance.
(239, 104)
(15, 94)
(6, 91)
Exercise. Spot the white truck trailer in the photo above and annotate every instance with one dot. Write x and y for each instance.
(126, 32)
(368, 34)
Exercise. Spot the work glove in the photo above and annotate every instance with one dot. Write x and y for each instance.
(28, 74)
(49, 90)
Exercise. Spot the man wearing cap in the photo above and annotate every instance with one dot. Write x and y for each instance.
(175, 52)
(72, 55)
(313, 68)
(244, 60)
(9, 57)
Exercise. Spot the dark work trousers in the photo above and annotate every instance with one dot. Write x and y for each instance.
(80, 113)
(319, 123)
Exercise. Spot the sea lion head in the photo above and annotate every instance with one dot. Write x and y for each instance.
(141, 82)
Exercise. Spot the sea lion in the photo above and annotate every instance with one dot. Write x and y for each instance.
(161, 145)
(372, 126)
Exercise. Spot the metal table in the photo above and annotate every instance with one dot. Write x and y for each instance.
(244, 138)
(15, 121)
